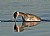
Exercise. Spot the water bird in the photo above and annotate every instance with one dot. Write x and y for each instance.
(28, 17)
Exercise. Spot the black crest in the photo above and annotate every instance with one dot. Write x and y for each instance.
(15, 15)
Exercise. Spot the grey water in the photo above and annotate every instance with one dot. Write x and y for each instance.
(40, 8)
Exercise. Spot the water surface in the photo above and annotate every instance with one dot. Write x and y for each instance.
(40, 8)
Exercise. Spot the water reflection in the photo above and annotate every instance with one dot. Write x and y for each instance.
(19, 26)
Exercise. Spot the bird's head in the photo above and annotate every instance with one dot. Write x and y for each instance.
(15, 15)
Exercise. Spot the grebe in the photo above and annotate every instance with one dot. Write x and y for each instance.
(27, 17)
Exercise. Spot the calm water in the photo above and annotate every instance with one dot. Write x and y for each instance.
(38, 7)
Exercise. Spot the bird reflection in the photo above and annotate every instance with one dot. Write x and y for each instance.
(18, 28)
(29, 24)
(24, 24)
